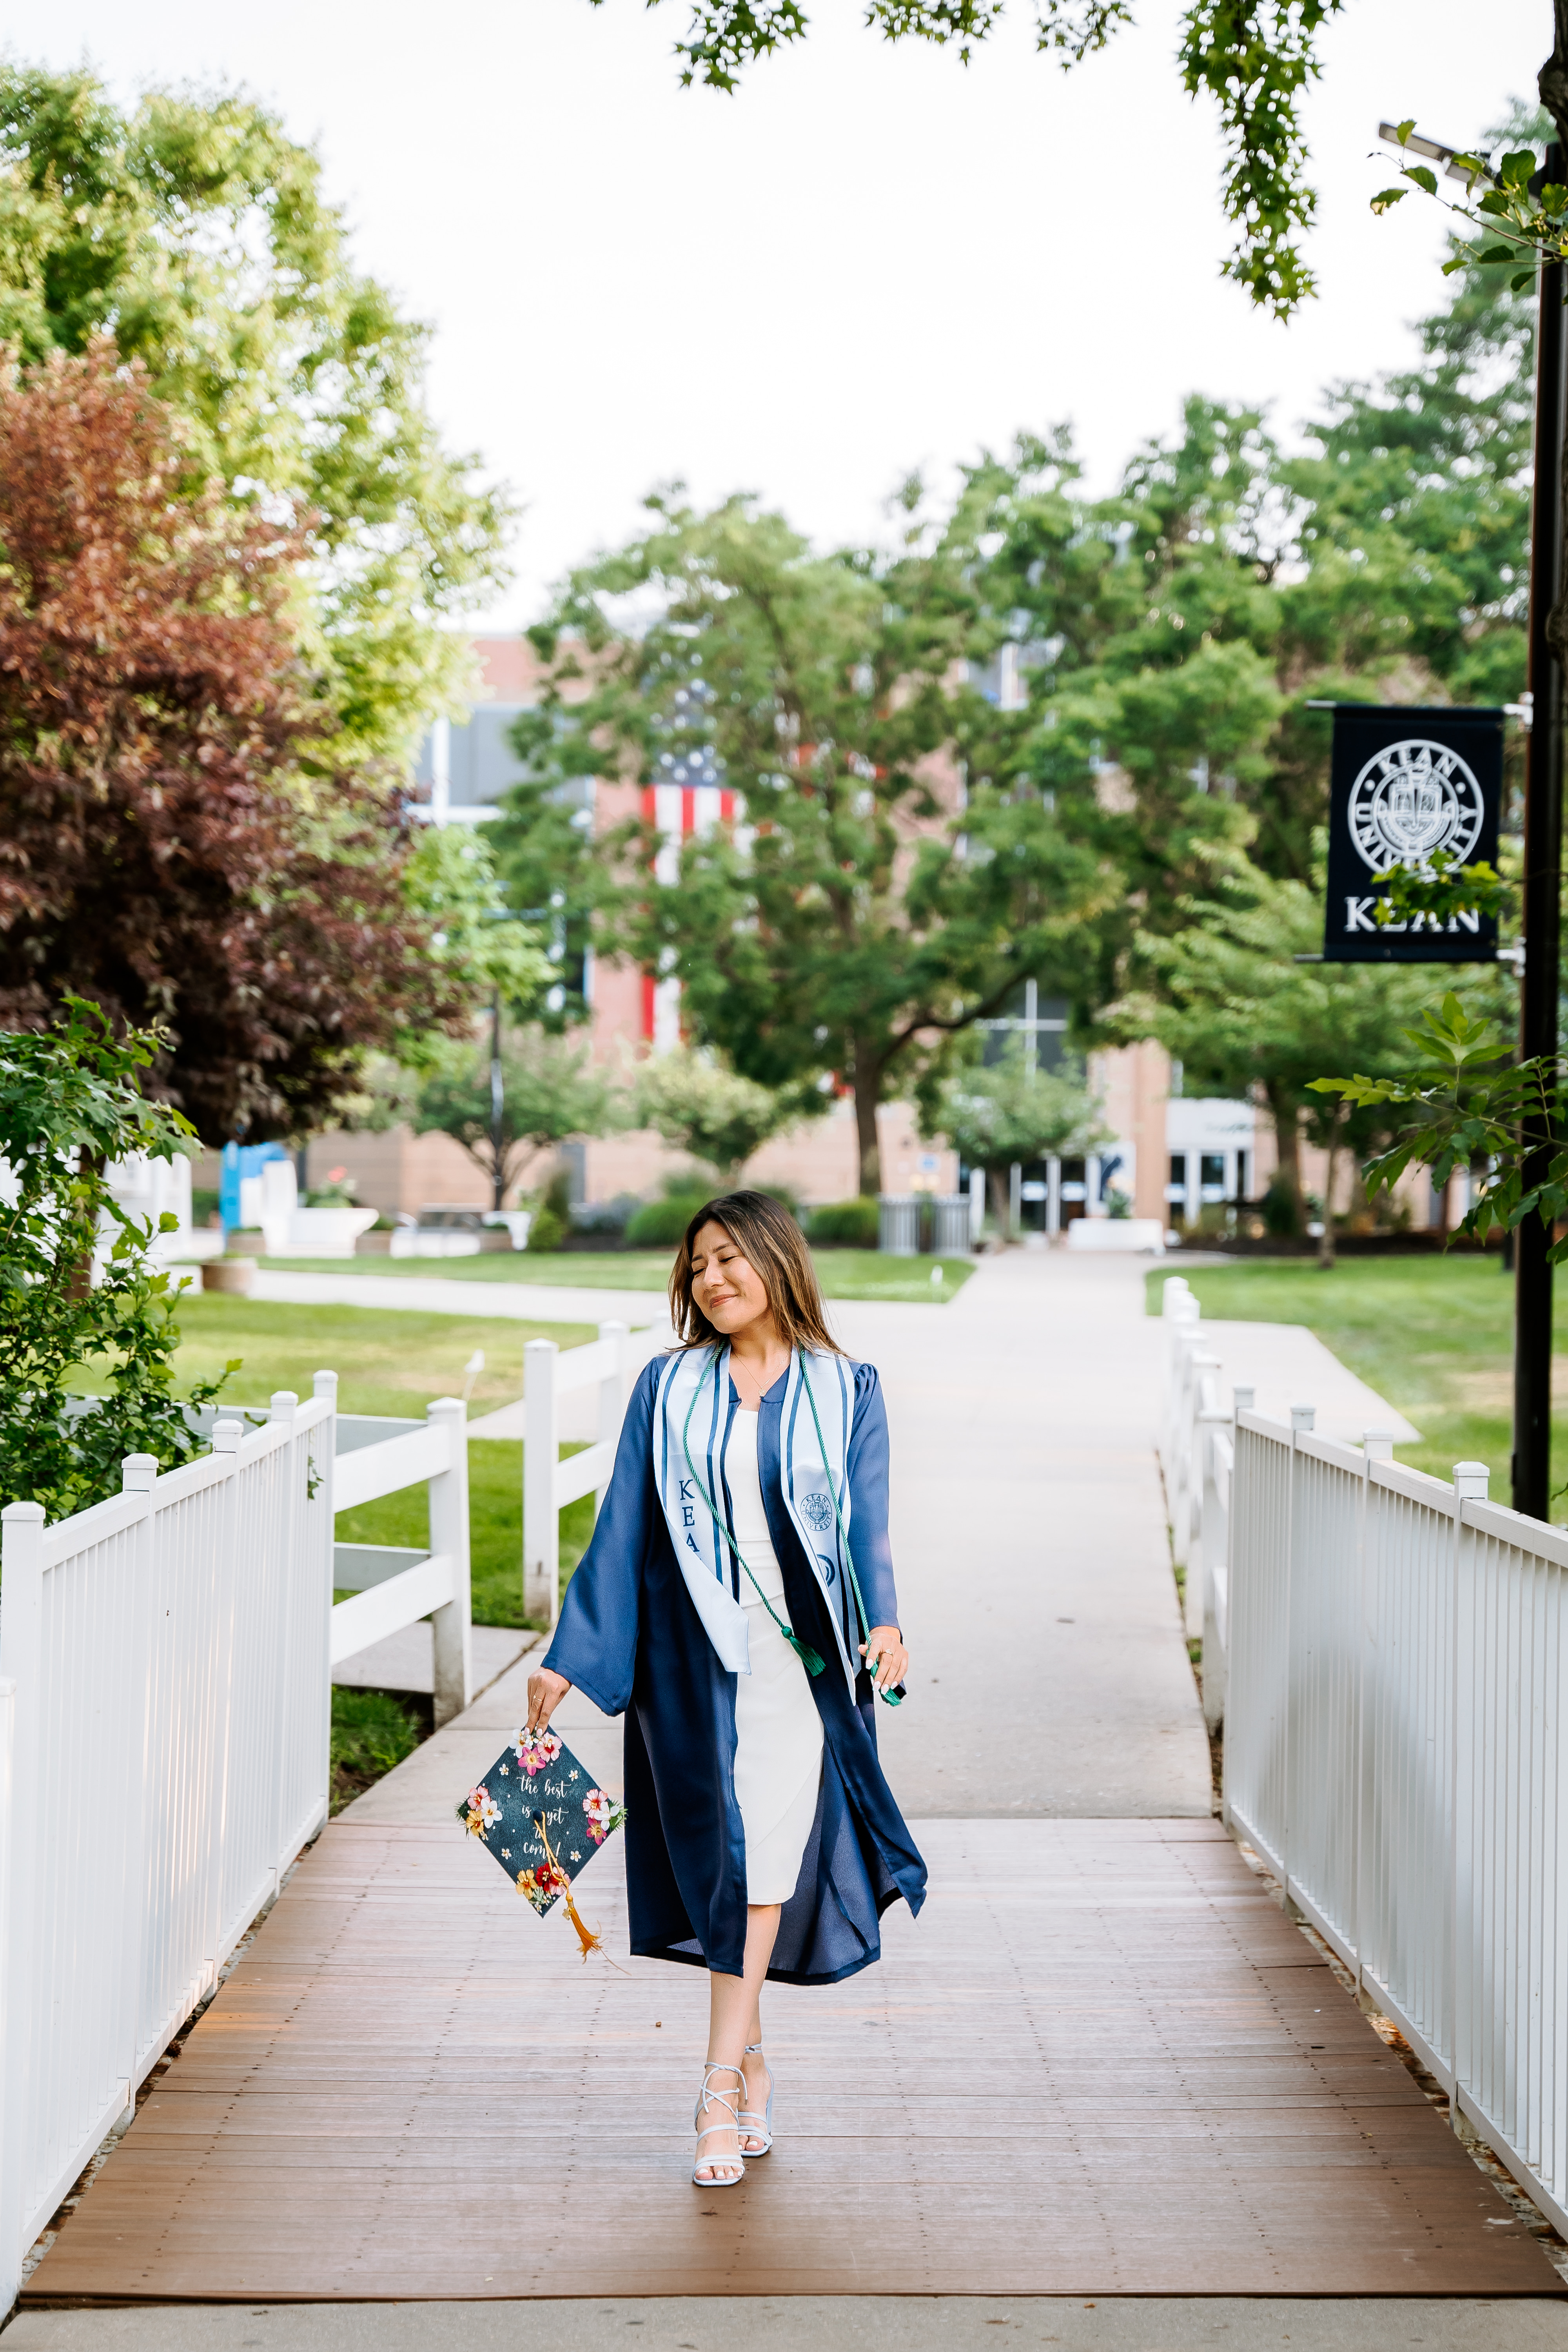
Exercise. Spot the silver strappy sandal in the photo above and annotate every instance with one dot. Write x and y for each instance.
(748, 2123)
(708, 2097)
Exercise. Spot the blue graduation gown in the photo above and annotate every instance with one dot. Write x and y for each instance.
(629, 1636)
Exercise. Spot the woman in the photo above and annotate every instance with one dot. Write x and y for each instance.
(737, 1605)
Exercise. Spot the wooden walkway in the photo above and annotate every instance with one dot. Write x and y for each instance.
(1102, 2063)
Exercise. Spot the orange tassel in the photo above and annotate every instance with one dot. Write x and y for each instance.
(585, 1934)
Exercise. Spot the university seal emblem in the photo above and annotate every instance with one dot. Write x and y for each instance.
(816, 1510)
(1410, 799)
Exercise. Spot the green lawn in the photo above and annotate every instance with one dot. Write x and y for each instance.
(495, 1527)
(388, 1362)
(843, 1273)
(1433, 1335)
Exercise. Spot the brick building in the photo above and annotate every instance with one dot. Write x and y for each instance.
(1172, 1157)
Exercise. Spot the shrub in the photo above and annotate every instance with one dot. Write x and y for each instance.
(659, 1224)
(552, 1218)
(70, 1105)
(607, 1217)
(844, 1225)
(1282, 1215)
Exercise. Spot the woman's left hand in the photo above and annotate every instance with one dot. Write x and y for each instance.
(887, 1659)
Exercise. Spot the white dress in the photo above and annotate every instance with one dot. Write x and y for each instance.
(778, 1731)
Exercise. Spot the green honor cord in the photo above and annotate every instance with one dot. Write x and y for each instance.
(891, 1697)
(803, 1650)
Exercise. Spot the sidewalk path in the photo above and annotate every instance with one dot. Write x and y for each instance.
(1286, 1364)
(1050, 1672)
(419, 1294)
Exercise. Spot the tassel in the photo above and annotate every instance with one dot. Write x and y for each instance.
(805, 1652)
(589, 1941)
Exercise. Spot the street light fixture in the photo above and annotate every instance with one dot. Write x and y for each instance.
(1435, 153)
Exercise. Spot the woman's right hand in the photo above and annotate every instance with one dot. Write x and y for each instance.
(546, 1689)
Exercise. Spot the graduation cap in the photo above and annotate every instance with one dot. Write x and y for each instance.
(540, 1814)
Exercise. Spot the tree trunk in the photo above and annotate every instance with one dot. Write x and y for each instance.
(1000, 1181)
(867, 1089)
(1286, 1114)
(1326, 1239)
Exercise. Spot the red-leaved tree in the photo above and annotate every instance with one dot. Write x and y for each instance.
(173, 844)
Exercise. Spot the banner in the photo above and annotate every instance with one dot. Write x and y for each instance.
(1407, 780)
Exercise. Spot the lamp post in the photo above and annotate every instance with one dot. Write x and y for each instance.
(1542, 888)
(1541, 897)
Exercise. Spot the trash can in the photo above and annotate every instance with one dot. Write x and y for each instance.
(950, 1224)
(899, 1224)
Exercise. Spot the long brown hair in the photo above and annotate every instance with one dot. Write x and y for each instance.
(774, 1247)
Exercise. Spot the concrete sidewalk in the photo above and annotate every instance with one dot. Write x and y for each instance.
(1051, 1671)
(433, 1294)
(810, 2323)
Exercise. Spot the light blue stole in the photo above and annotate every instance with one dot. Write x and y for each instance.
(691, 1409)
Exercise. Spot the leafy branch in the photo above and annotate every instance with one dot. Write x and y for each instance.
(1441, 886)
(1255, 58)
(1527, 223)
(1474, 1107)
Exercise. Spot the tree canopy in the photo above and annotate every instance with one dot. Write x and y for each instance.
(1009, 1111)
(693, 1101)
(196, 233)
(169, 848)
(550, 1092)
(872, 903)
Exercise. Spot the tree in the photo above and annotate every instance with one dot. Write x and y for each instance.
(550, 1092)
(70, 1103)
(1244, 1018)
(693, 1101)
(168, 848)
(475, 938)
(996, 1114)
(196, 233)
(866, 906)
(1475, 1106)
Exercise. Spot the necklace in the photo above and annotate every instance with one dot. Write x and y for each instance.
(743, 1381)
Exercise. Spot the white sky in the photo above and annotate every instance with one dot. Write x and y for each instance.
(869, 260)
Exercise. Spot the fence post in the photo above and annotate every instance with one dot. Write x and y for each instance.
(1472, 1480)
(138, 1476)
(226, 1440)
(1203, 1551)
(1303, 1416)
(1188, 1499)
(21, 1664)
(451, 1643)
(1182, 1310)
(282, 1405)
(612, 1397)
(541, 1451)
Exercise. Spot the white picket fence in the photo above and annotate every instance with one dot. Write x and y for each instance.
(164, 1701)
(1390, 1657)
